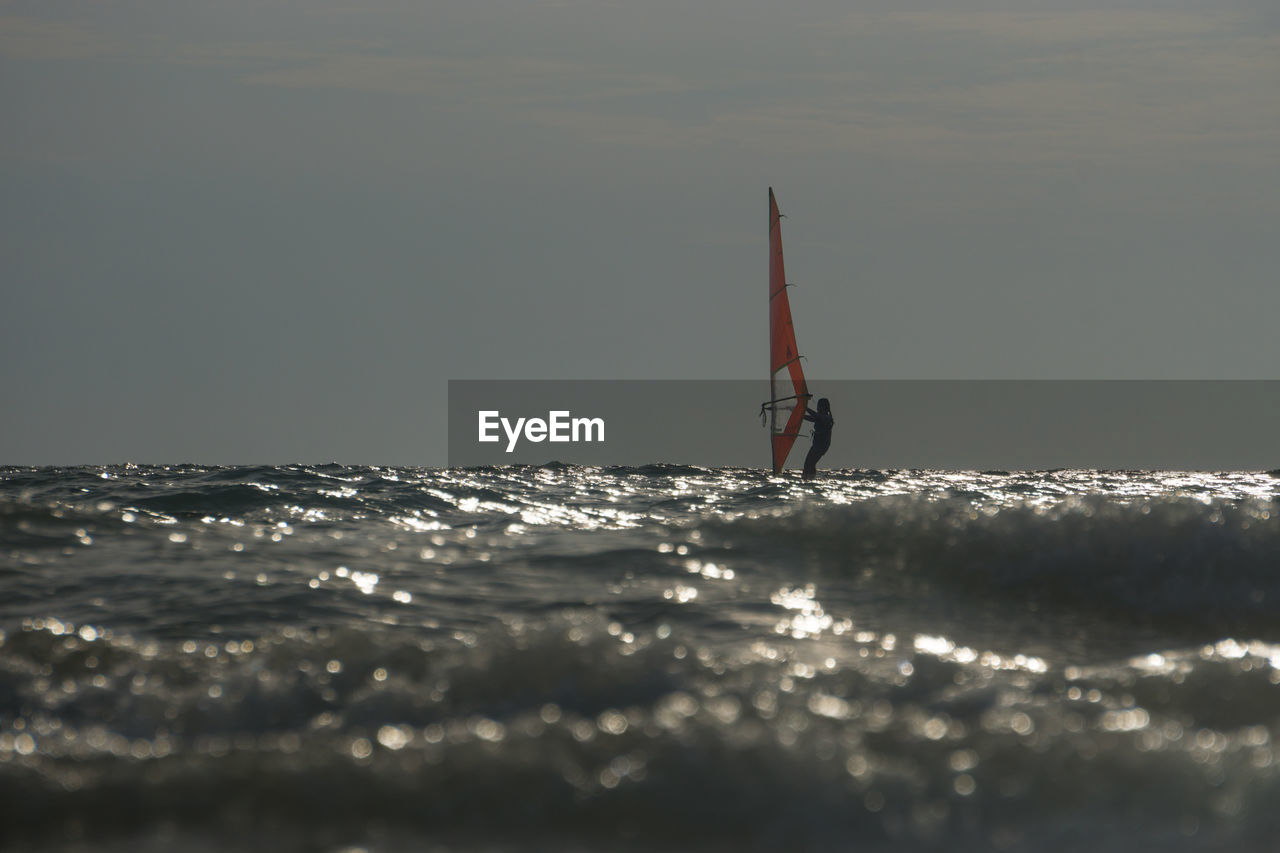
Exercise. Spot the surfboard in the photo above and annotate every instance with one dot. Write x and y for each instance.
(788, 393)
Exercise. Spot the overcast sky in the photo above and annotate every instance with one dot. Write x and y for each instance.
(270, 230)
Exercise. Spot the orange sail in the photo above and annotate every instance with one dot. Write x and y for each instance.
(788, 393)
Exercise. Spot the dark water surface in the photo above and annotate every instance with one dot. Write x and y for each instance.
(658, 658)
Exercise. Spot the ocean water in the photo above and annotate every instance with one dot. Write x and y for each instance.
(658, 658)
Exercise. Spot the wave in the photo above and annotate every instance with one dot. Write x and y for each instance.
(1174, 562)
(572, 733)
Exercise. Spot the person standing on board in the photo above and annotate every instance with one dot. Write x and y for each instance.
(822, 424)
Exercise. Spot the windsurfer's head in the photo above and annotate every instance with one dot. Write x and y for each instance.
(824, 405)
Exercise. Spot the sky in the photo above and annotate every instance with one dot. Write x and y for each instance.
(261, 231)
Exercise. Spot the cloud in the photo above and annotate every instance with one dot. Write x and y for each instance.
(33, 39)
(1036, 88)
(1044, 27)
(500, 81)
(1146, 87)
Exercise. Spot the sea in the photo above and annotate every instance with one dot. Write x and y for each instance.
(657, 658)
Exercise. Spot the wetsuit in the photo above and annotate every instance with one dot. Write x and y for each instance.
(822, 424)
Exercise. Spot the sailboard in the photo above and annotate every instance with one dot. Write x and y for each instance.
(788, 393)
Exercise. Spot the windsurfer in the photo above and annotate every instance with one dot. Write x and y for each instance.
(822, 424)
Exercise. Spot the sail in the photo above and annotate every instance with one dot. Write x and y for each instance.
(788, 393)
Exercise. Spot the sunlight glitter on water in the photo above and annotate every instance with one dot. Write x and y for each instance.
(899, 654)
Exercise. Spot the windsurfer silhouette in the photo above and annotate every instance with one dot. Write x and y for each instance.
(822, 424)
